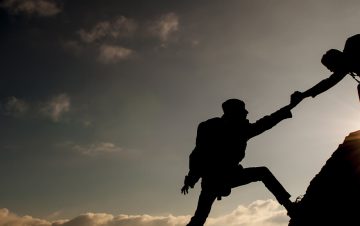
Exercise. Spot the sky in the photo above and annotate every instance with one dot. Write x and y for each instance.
(100, 101)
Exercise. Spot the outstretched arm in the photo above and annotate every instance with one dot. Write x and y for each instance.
(335, 62)
(322, 86)
(269, 121)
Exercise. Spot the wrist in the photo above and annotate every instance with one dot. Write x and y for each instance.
(190, 181)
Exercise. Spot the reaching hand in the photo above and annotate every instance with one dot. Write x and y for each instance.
(185, 189)
(296, 98)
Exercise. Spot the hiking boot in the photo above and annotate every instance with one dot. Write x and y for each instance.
(291, 208)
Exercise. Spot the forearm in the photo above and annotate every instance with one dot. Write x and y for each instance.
(194, 167)
(324, 85)
(321, 87)
(270, 121)
(278, 116)
(191, 179)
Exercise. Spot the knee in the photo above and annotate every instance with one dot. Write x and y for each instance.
(264, 171)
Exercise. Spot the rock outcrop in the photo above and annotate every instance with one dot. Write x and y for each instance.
(333, 196)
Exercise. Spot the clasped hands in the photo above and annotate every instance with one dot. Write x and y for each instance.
(296, 98)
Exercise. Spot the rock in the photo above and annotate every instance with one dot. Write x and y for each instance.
(333, 196)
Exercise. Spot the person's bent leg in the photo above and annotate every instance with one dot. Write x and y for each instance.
(253, 174)
(205, 202)
(274, 185)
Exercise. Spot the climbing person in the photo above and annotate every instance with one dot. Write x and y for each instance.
(220, 147)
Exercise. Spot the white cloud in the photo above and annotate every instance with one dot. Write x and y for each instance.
(30, 7)
(165, 26)
(126, 220)
(113, 54)
(258, 213)
(118, 28)
(96, 149)
(10, 219)
(54, 215)
(15, 106)
(56, 107)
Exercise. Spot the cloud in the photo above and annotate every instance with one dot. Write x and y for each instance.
(113, 37)
(15, 107)
(113, 53)
(122, 27)
(165, 26)
(258, 213)
(102, 33)
(91, 219)
(116, 29)
(56, 107)
(97, 149)
(32, 7)
(10, 219)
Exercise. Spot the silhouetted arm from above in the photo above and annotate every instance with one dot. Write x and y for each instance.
(334, 61)
(324, 85)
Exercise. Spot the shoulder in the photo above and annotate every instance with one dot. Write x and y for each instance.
(213, 122)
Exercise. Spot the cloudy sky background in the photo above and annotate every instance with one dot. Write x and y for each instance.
(100, 101)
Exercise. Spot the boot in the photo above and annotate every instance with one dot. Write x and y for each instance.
(290, 207)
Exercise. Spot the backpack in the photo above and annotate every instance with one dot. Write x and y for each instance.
(352, 53)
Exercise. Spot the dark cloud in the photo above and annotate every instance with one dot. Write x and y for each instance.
(118, 28)
(113, 38)
(113, 53)
(97, 148)
(164, 27)
(54, 108)
(43, 8)
(15, 107)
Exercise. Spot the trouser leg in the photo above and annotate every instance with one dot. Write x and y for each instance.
(205, 202)
(253, 174)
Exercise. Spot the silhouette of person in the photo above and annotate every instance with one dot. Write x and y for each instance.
(220, 147)
(341, 64)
